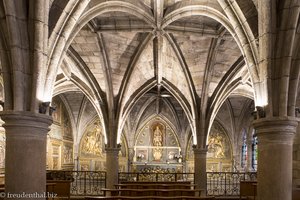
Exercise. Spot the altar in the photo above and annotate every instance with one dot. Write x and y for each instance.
(157, 147)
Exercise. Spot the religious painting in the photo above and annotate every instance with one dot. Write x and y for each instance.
(55, 162)
(67, 154)
(56, 115)
(66, 125)
(219, 152)
(218, 143)
(55, 156)
(216, 146)
(55, 150)
(92, 141)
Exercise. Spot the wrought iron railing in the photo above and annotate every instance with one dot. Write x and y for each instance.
(90, 182)
(157, 177)
(227, 183)
(82, 182)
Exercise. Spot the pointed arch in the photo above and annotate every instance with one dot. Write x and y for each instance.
(246, 44)
(76, 23)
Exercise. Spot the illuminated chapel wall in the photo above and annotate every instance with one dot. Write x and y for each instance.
(60, 139)
(157, 145)
(219, 154)
(92, 154)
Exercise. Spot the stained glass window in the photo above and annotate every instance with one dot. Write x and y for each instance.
(254, 152)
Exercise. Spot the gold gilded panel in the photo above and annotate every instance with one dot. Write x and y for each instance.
(92, 141)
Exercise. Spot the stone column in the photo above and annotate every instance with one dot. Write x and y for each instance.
(249, 167)
(249, 150)
(25, 157)
(112, 167)
(200, 169)
(237, 161)
(130, 159)
(275, 145)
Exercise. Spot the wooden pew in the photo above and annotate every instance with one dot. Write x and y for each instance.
(248, 189)
(231, 198)
(151, 192)
(154, 186)
(159, 182)
(296, 193)
(151, 198)
(61, 187)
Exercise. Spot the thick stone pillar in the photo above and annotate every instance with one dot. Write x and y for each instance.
(112, 167)
(25, 156)
(275, 145)
(200, 169)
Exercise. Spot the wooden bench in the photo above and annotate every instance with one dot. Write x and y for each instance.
(151, 198)
(231, 198)
(296, 194)
(154, 186)
(61, 187)
(152, 192)
(248, 189)
(158, 182)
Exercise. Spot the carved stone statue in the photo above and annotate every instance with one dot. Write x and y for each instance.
(157, 137)
(157, 142)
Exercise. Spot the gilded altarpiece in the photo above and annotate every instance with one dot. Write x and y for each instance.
(157, 145)
(92, 149)
(60, 139)
(219, 154)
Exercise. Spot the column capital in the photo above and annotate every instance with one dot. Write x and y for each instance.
(276, 125)
(199, 150)
(25, 119)
(112, 150)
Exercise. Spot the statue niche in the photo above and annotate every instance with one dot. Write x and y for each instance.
(157, 143)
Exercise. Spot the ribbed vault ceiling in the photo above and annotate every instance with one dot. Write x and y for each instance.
(191, 56)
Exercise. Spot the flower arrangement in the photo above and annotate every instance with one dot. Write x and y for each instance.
(178, 157)
(140, 156)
